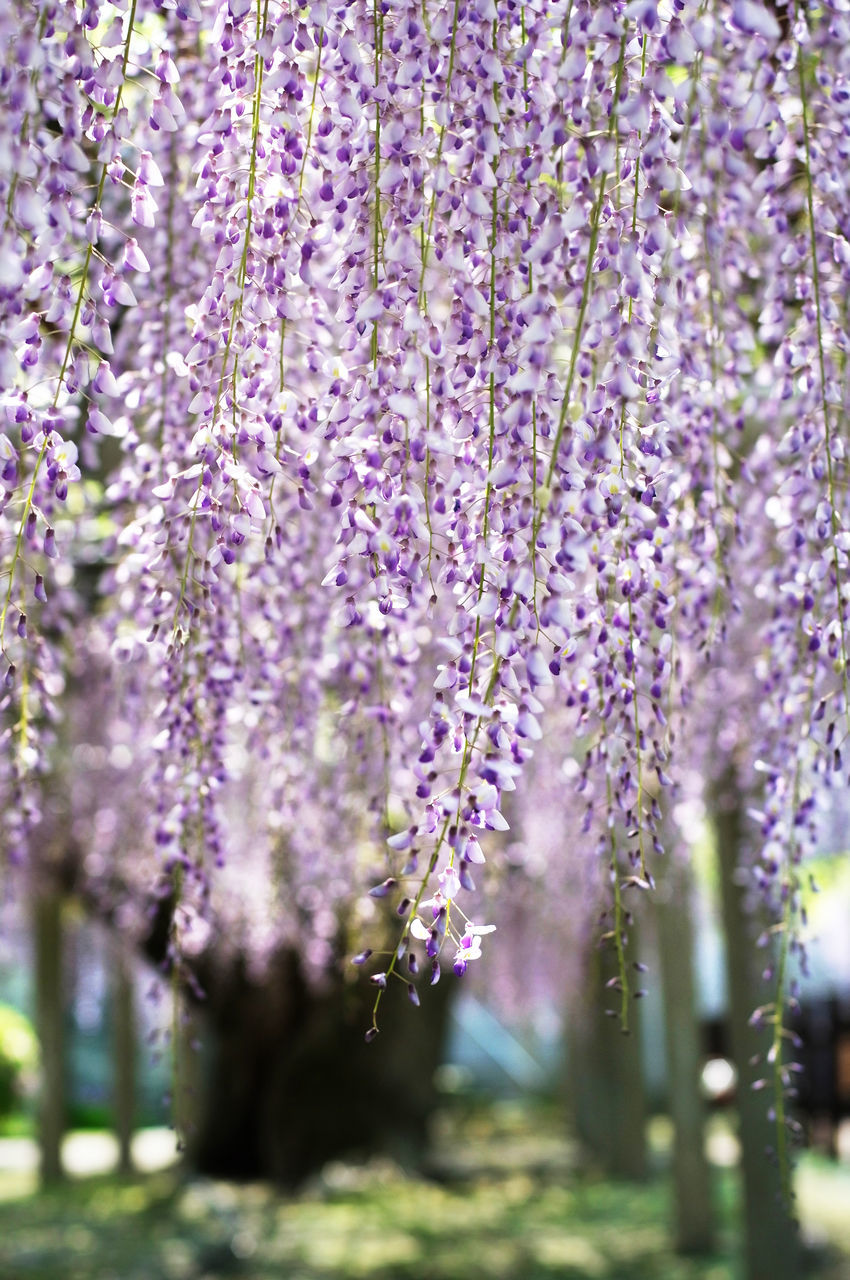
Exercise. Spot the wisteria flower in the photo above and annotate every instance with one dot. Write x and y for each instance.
(438, 362)
(469, 947)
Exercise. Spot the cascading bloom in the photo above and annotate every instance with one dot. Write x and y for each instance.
(399, 370)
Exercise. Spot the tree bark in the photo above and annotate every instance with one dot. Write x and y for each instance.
(692, 1201)
(50, 1014)
(124, 1050)
(771, 1244)
(289, 1082)
(284, 1080)
(609, 1099)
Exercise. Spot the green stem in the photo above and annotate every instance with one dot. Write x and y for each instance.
(168, 285)
(309, 139)
(440, 142)
(638, 752)
(241, 277)
(585, 298)
(619, 921)
(69, 346)
(376, 245)
(491, 352)
(827, 424)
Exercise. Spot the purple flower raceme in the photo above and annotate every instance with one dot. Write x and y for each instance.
(411, 378)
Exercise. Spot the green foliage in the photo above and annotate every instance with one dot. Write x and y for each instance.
(89, 1115)
(370, 1223)
(18, 1059)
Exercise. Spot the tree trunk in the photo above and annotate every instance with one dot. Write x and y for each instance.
(50, 1014)
(771, 1245)
(693, 1212)
(609, 1100)
(290, 1082)
(124, 1049)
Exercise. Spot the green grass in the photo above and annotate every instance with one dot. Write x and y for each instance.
(20, 1124)
(510, 1206)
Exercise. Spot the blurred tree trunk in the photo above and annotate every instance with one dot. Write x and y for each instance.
(771, 1244)
(290, 1082)
(124, 1050)
(50, 1015)
(190, 1076)
(284, 1080)
(608, 1094)
(693, 1210)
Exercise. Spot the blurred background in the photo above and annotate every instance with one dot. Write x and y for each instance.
(506, 1127)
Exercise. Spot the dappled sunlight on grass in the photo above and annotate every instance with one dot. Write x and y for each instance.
(823, 1189)
(510, 1204)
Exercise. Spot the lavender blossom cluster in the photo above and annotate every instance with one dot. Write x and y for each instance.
(398, 372)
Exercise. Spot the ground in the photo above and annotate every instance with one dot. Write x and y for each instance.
(506, 1201)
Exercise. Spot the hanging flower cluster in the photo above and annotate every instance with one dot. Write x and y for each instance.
(387, 373)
